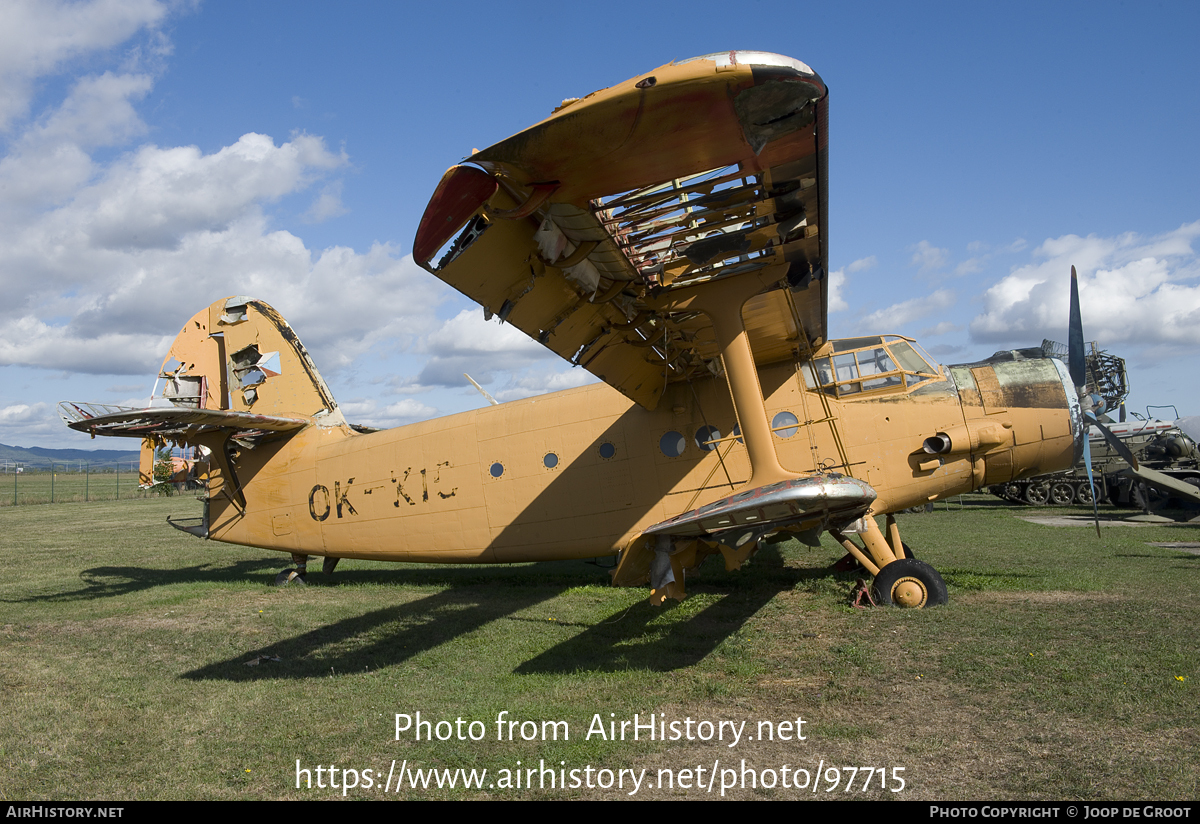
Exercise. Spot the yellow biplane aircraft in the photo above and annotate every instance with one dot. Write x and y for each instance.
(669, 235)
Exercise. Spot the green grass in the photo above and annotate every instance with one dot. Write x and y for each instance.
(1054, 672)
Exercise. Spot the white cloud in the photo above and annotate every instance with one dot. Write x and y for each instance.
(943, 328)
(22, 412)
(100, 265)
(328, 204)
(28, 423)
(543, 382)
(970, 266)
(898, 316)
(39, 36)
(983, 253)
(862, 264)
(101, 261)
(1132, 290)
(837, 285)
(468, 343)
(151, 199)
(49, 162)
(929, 257)
(370, 412)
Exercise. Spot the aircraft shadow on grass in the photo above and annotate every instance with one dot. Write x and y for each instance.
(628, 639)
(115, 581)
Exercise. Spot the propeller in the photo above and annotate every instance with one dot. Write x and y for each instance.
(1092, 405)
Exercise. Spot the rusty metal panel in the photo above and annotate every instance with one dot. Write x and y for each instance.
(990, 393)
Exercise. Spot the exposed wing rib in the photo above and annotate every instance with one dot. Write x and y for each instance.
(576, 229)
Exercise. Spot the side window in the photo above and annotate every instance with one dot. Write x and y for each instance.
(672, 444)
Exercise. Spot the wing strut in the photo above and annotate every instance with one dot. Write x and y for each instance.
(722, 301)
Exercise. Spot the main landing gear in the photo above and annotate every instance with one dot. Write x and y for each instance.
(900, 579)
(909, 583)
(299, 575)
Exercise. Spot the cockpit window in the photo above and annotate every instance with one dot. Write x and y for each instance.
(847, 344)
(909, 358)
(873, 364)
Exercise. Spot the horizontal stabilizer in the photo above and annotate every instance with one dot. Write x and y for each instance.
(834, 499)
(171, 423)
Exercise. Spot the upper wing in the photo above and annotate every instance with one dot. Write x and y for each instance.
(578, 229)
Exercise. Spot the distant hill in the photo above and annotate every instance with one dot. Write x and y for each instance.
(38, 456)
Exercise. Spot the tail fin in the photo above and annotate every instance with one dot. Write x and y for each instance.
(240, 355)
(236, 373)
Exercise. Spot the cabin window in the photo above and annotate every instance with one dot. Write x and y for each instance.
(497, 469)
(672, 444)
(784, 424)
(607, 450)
(550, 460)
(705, 437)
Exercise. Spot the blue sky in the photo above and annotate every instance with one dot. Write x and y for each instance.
(157, 156)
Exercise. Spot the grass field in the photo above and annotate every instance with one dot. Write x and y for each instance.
(1063, 668)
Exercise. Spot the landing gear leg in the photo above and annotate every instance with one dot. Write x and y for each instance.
(289, 576)
(900, 579)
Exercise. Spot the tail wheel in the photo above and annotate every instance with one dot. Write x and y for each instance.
(911, 584)
(290, 576)
(1062, 493)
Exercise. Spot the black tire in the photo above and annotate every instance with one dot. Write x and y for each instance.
(909, 583)
(1149, 498)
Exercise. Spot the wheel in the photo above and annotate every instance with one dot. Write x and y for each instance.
(289, 576)
(1085, 494)
(1149, 498)
(1185, 501)
(1012, 492)
(1062, 493)
(1037, 494)
(911, 584)
(1090, 491)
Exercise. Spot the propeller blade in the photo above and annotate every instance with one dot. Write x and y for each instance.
(1075, 353)
(1087, 462)
(1113, 441)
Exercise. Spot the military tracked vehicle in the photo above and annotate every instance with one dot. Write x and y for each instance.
(1160, 446)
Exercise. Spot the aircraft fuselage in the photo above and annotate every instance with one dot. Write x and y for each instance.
(578, 473)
